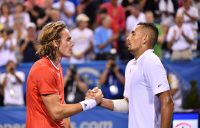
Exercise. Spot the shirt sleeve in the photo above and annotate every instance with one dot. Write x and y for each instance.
(21, 75)
(47, 81)
(170, 34)
(156, 77)
(188, 31)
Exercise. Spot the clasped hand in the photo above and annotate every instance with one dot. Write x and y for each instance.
(95, 94)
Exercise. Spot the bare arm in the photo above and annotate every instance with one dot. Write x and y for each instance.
(170, 42)
(18, 78)
(23, 46)
(57, 110)
(67, 123)
(190, 41)
(166, 109)
(193, 18)
(108, 103)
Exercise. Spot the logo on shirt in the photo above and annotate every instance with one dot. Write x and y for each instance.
(159, 85)
(85, 105)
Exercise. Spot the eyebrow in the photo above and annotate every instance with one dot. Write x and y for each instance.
(132, 32)
(69, 38)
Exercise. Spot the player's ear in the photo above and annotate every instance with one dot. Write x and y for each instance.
(145, 39)
(55, 43)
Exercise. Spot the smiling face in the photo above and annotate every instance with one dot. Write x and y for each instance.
(65, 46)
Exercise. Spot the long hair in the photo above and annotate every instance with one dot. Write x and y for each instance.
(49, 34)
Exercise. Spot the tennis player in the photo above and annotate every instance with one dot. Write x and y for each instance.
(146, 96)
(45, 87)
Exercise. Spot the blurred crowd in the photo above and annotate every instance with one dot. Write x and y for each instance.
(97, 27)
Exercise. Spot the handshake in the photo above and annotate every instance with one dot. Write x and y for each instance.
(93, 98)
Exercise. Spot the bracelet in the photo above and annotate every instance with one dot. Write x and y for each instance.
(88, 104)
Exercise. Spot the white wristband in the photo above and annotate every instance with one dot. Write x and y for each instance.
(121, 105)
(88, 104)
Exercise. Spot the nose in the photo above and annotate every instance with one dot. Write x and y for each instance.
(72, 44)
(127, 38)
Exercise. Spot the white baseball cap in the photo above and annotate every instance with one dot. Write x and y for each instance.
(82, 17)
(31, 25)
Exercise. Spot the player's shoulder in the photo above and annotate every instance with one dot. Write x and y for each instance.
(151, 58)
(41, 65)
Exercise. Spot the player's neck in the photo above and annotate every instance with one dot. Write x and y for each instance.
(57, 61)
(138, 53)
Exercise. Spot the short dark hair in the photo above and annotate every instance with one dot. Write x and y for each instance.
(153, 32)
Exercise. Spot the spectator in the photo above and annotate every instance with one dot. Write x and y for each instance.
(117, 14)
(75, 88)
(12, 4)
(19, 30)
(55, 15)
(19, 34)
(136, 17)
(161, 34)
(1, 93)
(180, 38)
(35, 11)
(167, 9)
(127, 5)
(20, 14)
(190, 17)
(150, 5)
(88, 7)
(190, 14)
(5, 17)
(28, 46)
(12, 82)
(112, 80)
(39, 3)
(7, 47)
(67, 10)
(44, 20)
(175, 91)
(82, 37)
(103, 39)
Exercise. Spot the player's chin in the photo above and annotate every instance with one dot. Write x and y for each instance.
(67, 55)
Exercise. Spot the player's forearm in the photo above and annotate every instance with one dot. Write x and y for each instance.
(166, 114)
(107, 103)
(66, 110)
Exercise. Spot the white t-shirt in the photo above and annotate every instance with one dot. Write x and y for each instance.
(132, 21)
(81, 40)
(144, 78)
(193, 12)
(180, 42)
(5, 53)
(24, 17)
(69, 6)
(13, 92)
